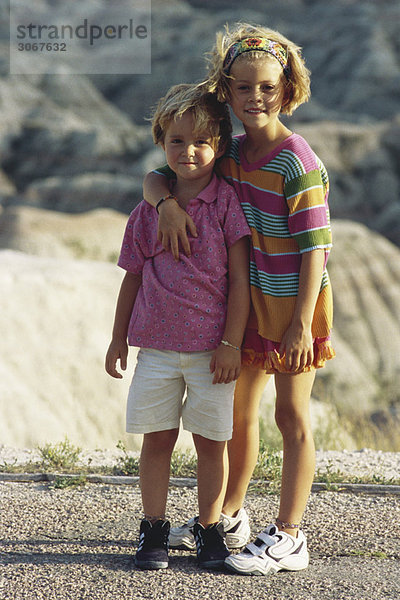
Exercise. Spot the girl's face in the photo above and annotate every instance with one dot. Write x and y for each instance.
(257, 91)
(191, 155)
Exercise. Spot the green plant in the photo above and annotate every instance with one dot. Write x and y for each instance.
(268, 470)
(63, 455)
(62, 482)
(183, 464)
(269, 464)
(329, 475)
(126, 464)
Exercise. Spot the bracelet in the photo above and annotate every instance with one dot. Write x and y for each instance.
(169, 197)
(284, 525)
(226, 343)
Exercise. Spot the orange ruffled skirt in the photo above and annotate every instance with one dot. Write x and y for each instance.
(263, 354)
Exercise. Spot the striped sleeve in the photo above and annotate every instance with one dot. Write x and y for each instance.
(165, 171)
(306, 195)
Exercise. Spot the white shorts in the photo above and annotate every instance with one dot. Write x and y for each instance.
(156, 395)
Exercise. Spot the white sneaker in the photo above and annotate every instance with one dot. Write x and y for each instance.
(272, 551)
(182, 537)
(237, 529)
(237, 532)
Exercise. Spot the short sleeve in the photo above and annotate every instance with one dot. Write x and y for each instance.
(140, 238)
(307, 200)
(234, 221)
(166, 171)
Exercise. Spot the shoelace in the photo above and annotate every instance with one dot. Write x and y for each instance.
(217, 536)
(151, 538)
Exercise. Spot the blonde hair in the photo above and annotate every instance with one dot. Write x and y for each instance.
(209, 114)
(297, 84)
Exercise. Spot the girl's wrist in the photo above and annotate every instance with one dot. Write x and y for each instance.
(229, 345)
(301, 322)
(163, 200)
(119, 337)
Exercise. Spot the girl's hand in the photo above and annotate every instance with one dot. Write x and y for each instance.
(118, 350)
(297, 346)
(225, 364)
(173, 224)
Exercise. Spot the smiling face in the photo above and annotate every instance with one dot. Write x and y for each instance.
(190, 154)
(257, 91)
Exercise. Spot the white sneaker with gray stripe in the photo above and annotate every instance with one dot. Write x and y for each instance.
(272, 551)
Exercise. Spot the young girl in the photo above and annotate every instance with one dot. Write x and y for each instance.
(188, 318)
(283, 188)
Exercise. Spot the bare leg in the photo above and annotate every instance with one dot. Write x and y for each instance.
(293, 420)
(211, 478)
(155, 460)
(244, 446)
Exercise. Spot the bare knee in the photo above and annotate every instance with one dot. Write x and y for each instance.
(292, 425)
(248, 392)
(162, 441)
(243, 420)
(207, 447)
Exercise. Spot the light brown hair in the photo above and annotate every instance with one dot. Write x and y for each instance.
(297, 85)
(209, 114)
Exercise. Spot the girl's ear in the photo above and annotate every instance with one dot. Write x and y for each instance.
(220, 151)
(287, 95)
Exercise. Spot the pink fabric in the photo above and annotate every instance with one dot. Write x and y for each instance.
(264, 354)
(181, 305)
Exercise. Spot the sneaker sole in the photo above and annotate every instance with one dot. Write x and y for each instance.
(255, 571)
(246, 573)
(269, 570)
(212, 564)
(150, 565)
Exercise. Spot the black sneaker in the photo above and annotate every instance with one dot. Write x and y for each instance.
(210, 545)
(152, 552)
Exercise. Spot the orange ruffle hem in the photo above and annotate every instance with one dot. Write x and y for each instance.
(263, 354)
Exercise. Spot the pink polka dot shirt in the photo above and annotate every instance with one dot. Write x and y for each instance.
(181, 305)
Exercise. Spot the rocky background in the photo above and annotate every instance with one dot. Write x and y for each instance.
(73, 152)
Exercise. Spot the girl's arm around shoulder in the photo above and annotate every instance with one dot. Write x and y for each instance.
(118, 348)
(226, 360)
(173, 221)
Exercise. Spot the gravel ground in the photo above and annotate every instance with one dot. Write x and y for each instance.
(78, 543)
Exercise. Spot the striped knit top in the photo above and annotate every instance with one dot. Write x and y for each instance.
(284, 196)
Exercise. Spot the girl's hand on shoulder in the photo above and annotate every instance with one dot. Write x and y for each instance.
(225, 364)
(297, 347)
(173, 225)
(117, 350)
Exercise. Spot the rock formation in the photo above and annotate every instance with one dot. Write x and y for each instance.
(76, 142)
(57, 316)
(73, 152)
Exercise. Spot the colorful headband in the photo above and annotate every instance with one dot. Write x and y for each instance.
(259, 44)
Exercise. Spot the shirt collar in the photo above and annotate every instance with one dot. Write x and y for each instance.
(210, 192)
